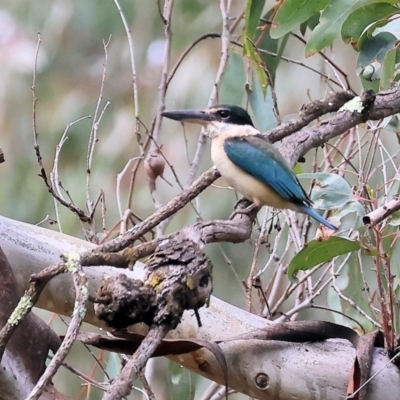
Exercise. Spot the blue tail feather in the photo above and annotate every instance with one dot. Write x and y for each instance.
(312, 213)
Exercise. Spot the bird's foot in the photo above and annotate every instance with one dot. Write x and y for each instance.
(246, 210)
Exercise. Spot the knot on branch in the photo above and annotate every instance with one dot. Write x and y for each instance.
(178, 279)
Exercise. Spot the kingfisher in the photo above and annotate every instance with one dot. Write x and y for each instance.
(248, 161)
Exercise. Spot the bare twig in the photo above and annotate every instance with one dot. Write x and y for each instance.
(164, 212)
(73, 265)
(225, 41)
(122, 385)
(146, 387)
(80, 375)
(326, 58)
(354, 305)
(54, 176)
(93, 130)
(162, 89)
(76, 210)
(118, 188)
(250, 278)
(135, 99)
(212, 35)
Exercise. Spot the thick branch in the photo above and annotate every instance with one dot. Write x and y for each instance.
(306, 375)
(308, 113)
(386, 103)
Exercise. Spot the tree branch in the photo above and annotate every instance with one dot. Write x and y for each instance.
(378, 215)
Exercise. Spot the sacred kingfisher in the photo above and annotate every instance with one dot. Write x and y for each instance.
(248, 161)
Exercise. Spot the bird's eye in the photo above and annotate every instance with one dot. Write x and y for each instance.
(223, 114)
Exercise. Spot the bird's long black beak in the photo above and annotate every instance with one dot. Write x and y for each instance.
(194, 116)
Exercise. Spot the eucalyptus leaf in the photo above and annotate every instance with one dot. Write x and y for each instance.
(331, 22)
(291, 13)
(317, 252)
(388, 68)
(252, 17)
(395, 219)
(233, 80)
(113, 366)
(251, 22)
(262, 106)
(374, 51)
(331, 190)
(361, 18)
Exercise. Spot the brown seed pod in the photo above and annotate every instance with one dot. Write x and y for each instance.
(154, 165)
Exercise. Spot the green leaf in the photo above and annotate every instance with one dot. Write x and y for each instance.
(394, 253)
(330, 191)
(311, 23)
(353, 206)
(252, 17)
(317, 252)
(395, 220)
(361, 18)
(113, 365)
(372, 54)
(370, 85)
(297, 169)
(314, 21)
(233, 80)
(181, 382)
(331, 22)
(371, 31)
(388, 68)
(262, 106)
(291, 13)
(251, 51)
(270, 46)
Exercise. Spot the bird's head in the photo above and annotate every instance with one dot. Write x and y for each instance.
(216, 119)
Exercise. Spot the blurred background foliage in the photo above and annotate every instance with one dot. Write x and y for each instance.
(69, 73)
(68, 82)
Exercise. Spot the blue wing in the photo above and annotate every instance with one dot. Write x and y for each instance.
(259, 158)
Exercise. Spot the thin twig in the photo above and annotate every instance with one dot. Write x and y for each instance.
(73, 265)
(93, 130)
(119, 180)
(54, 176)
(225, 42)
(250, 278)
(164, 212)
(122, 385)
(162, 89)
(76, 210)
(354, 305)
(135, 97)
